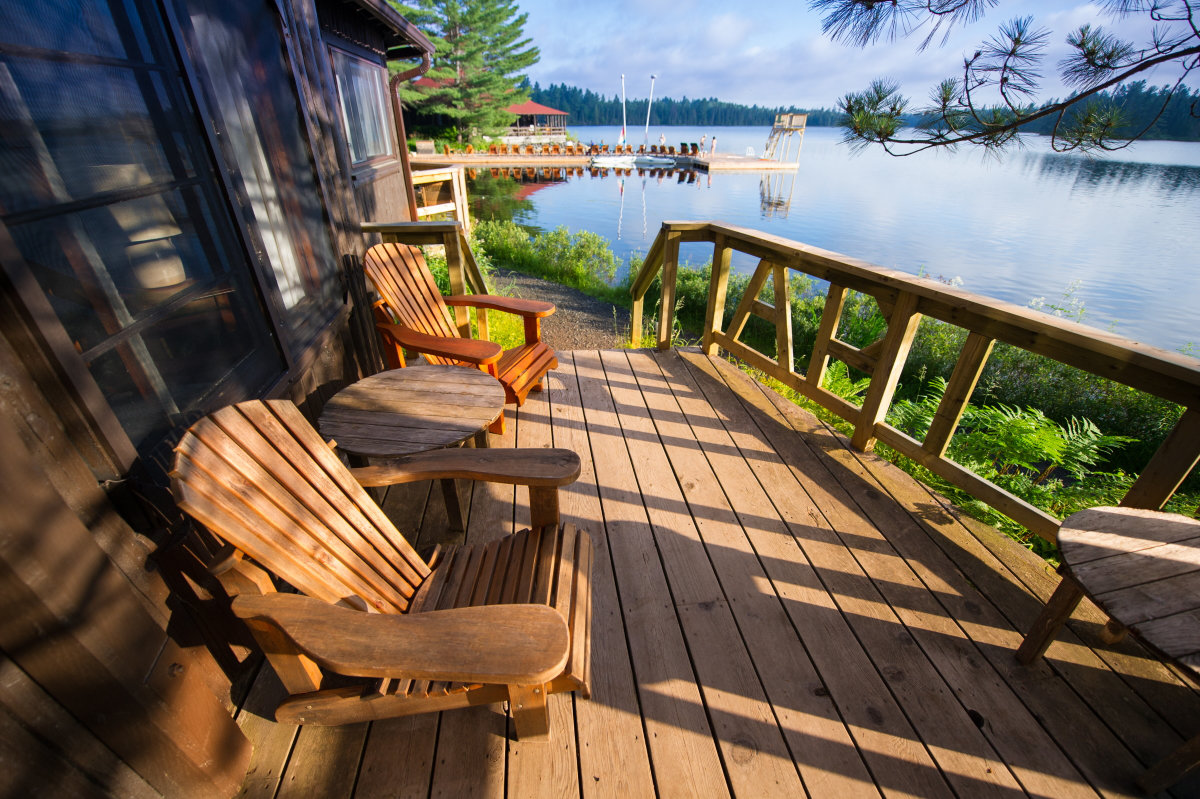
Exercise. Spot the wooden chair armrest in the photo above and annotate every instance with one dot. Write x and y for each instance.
(529, 467)
(496, 644)
(468, 350)
(513, 305)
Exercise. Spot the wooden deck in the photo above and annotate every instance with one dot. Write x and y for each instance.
(775, 615)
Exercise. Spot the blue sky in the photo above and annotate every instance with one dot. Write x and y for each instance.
(765, 52)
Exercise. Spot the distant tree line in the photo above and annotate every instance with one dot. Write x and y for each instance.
(1178, 114)
(586, 107)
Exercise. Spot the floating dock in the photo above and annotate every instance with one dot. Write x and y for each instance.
(778, 155)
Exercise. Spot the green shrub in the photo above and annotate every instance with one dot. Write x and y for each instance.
(583, 261)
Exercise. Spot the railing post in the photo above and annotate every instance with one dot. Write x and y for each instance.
(1171, 464)
(902, 327)
(458, 281)
(666, 316)
(718, 285)
(835, 299)
(635, 322)
(783, 318)
(458, 190)
(959, 388)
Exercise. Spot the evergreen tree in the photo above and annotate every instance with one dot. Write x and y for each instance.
(478, 57)
(995, 94)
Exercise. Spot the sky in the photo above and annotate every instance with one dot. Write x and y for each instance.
(767, 52)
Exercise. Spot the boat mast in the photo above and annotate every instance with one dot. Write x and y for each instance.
(621, 141)
(646, 137)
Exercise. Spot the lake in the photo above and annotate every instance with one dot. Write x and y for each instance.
(1115, 234)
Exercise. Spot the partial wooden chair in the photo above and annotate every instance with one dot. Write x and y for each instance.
(377, 631)
(413, 315)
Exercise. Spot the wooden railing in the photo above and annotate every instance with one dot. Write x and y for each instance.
(904, 299)
(465, 277)
(442, 191)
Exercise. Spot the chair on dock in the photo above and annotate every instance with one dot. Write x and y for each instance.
(413, 315)
(377, 631)
(493, 149)
(671, 150)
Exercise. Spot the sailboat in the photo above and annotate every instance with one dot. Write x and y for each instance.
(630, 161)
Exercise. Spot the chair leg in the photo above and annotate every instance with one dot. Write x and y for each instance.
(1172, 768)
(497, 426)
(531, 715)
(453, 505)
(1062, 604)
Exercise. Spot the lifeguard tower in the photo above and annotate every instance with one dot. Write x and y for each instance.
(775, 188)
(788, 129)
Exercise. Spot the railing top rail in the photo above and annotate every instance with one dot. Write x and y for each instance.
(1173, 376)
(432, 228)
(435, 174)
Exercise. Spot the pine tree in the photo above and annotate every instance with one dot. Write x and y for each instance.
(995, 94)
(479, 55)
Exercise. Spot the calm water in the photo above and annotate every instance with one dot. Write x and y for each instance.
(1118, 234)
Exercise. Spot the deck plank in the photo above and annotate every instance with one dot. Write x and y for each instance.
(610, 723)
(324, 762)
(272, 741)
(541, 768)
(685, 757)
(398, 759)
(965, 756)
(819, 740)
(472, 744)
(1076, 723)
(985, 698)
(757, 761)
(774, 614)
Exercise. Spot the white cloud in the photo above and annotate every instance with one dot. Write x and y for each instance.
(772, 53)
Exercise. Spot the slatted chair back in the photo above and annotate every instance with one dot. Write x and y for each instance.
(258, 476)
(405, 283)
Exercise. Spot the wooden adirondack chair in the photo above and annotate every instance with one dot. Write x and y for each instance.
(504, 621)
(413, 315)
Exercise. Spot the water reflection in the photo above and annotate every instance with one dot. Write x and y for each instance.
(1097, 173)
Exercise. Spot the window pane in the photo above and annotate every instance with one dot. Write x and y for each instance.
(364, 106)
(106, 268)
(110, 197)
(239, 51)
(84, 26)
(70, 131)
(198, 358)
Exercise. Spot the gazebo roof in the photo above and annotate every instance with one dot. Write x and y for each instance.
(530, 107)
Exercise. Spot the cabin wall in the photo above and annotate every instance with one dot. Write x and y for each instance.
(381, 194)
(116, 659)
(89, 677)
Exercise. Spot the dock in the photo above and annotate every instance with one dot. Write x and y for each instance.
(716, 162)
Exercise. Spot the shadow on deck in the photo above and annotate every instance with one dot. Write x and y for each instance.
(775, 614)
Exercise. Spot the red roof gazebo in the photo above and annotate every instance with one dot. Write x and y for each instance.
(554, 121)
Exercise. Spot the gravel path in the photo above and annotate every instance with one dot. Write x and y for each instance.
(579, 323)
